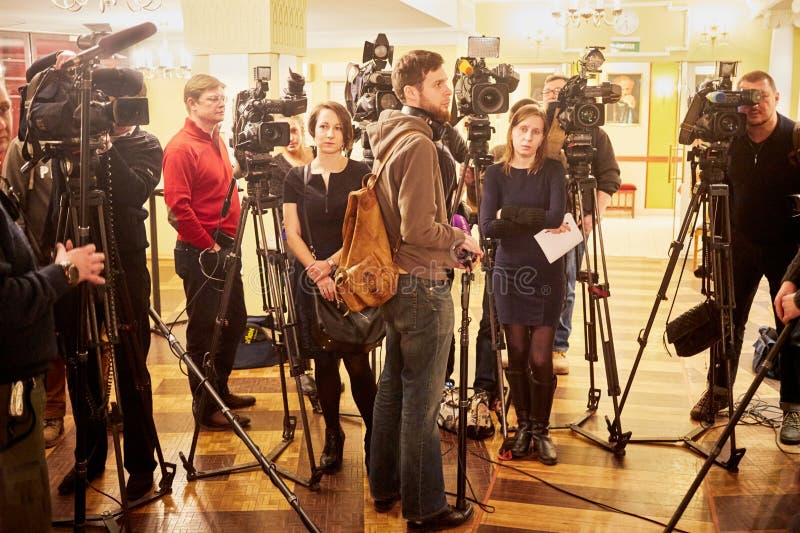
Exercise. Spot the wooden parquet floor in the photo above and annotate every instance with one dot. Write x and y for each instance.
(578, 494)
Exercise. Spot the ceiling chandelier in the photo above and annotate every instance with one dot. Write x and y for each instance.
(133, 5)
(576, 13)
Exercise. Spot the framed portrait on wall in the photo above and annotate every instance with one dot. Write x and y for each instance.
(626, 111)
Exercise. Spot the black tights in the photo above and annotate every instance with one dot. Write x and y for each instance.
(531, 346)
(329, 386)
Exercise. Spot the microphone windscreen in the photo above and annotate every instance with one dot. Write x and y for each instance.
(465, 67)
(460, 222)
(120, 40)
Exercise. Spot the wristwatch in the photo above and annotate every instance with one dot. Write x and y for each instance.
(331, 263)
(71, 271)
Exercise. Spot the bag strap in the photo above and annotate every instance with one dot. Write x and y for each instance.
(794, 155)
(306, 226)
(372, 177)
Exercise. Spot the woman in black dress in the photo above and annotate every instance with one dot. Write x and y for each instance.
(522, 195)
(316, 205)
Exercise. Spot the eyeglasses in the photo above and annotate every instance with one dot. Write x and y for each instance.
(216, 99)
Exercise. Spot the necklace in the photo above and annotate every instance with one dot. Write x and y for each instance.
(756, 148)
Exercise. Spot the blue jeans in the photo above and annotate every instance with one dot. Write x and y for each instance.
(405, 452)
(561, 341)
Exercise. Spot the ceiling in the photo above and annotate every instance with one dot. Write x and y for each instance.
(325, 18)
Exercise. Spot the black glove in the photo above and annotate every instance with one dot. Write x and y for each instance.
(500, 228)
(530, 217)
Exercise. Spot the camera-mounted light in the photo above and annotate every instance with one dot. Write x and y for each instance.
(483, 46)
(380, 50)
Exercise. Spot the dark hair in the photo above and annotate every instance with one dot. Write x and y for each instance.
(757, 75)
(197, 85)
(341, 113)
(520, 103)
(412, 68)
(523, 113)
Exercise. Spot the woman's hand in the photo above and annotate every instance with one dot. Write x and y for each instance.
(327, 288)
(563, 228)
(318, 270)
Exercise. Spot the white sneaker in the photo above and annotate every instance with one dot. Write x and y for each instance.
(560, 363)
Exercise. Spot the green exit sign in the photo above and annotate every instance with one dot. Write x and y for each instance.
(626, 45)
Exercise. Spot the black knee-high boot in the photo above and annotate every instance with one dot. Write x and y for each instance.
(541, 404)
(520, 395)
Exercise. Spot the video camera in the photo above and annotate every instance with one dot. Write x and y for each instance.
(369, 85)
(713, 114)
(479, 90)
(255, 131)
(52, 101)
(579, 108)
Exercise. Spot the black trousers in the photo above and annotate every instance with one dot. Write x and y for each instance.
(751, 262)
(131, 365)
(203, 279)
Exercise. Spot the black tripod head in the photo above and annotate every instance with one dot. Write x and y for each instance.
(712, 159)
(479, 131)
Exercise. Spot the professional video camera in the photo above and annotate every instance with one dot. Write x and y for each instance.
(53, 104)
(581, 106)
(479, 90)
(255, 131)
(713, 112)
(369, 86)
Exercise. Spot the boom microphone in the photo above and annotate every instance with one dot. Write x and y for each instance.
(113, 43)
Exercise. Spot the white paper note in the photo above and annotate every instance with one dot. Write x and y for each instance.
(555, 245)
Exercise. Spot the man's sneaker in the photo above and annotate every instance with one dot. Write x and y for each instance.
(560, 363)
(790, 428)
(479, 419)
(700, 411)
(53, 429)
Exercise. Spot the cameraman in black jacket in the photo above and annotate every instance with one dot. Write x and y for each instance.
(764, 237)
(27, 344)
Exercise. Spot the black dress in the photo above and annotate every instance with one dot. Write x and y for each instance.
(528, 289)
(325, 210)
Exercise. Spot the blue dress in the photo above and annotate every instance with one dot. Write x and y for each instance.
(528, 289)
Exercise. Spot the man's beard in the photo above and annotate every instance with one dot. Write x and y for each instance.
(438, 114)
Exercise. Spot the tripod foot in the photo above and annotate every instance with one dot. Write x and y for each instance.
(191, 471)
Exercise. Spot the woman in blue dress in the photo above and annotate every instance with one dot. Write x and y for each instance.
(522, 195)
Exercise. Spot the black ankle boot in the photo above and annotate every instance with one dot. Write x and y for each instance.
(331, 459)
(520, 396)
(541, 404)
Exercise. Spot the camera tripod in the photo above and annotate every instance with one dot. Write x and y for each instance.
(478, 159)
(276, 293)
(711, 198)
(83, 317)
(596, 291)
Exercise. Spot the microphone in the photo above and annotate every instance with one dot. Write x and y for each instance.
(460, 221)
(465, 67)
(112, 43)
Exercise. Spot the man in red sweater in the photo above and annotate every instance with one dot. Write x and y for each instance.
(197, 176)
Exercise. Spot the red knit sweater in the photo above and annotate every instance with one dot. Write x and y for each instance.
(197, 174)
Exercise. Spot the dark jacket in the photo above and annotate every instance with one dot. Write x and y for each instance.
(411, 197)
(135, 171)
(27, 295)
(761, 179)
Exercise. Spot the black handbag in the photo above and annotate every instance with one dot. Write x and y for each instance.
(695, 330)
(335, 327)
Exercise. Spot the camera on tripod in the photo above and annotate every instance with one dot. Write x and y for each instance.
(713, 114)
(255, 131)
(369, 85)
(479, 90)
(53, 103)
(582, 105)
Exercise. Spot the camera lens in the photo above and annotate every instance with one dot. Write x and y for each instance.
(728, 124)
(588, 115)
(489, 99)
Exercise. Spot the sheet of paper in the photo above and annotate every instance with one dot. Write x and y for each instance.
(555, 245)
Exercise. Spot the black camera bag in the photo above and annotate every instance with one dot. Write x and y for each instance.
(695, 330)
